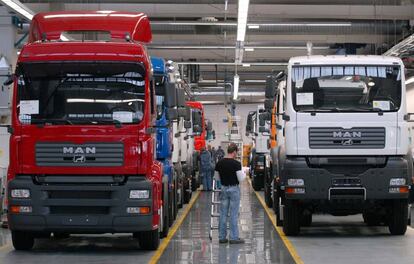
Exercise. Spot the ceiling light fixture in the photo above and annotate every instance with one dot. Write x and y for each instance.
(253, 26)
(242, 19)
(236, 87)
(246, 65)
(248, 49)
(19, 8)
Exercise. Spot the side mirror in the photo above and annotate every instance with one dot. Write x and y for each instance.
(248, 129)
(172, 114)
(170, 94)
(197, 120)
(9, 80)
(268, 104)
(187, 124)
(180, 98)
(408, 117)
(265, 117)
(197, 129)
(214, 134)
(263, 130)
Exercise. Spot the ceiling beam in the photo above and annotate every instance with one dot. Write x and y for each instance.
(256, 11)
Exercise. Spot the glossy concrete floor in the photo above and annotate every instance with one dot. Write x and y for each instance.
(191, 244)
(348, 240)
(328, 240)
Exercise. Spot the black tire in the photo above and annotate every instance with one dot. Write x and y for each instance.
(268, 191)
(176, 199)
(398, 218)
(181, 196)
(194, 186)
(170, 207)
(291, 221)
(187, 192)
(22, 240)
(372, 219)
(257, 183)
(306, 220)
(276, 208)
(149, 240)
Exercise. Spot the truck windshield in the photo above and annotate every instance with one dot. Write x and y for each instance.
(346, 88)
(80, 92)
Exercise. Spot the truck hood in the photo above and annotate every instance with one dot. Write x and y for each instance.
(81, 150)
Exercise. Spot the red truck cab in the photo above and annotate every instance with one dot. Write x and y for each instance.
(82, 148)
(199, 140)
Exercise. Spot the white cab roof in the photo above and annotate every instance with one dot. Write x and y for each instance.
(344, 59)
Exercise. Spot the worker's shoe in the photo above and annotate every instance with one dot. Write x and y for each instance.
(237, 241)
(222, 241)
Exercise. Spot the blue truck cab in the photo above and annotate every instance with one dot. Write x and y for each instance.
(164, 135)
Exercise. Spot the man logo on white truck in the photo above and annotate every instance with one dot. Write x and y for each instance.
(347, 134)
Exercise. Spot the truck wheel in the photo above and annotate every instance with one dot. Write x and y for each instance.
(276, 208)
(257, 183)
(149, 240)
(181, 196)
(398, 218)
(291, 218)
(176, 199)
(268, 191)
(170, 208)
(372, 219)
(22, 240)
(194, 186)
(187, 192)
(306, 220)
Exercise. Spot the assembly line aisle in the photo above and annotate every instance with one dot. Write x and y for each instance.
(191, 243)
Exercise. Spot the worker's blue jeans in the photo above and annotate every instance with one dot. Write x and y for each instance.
(229, 201)
(206, 178)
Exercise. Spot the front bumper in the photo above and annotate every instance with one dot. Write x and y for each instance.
(80, 208)
(346, 182)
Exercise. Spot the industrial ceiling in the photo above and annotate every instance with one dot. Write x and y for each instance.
(201, 35)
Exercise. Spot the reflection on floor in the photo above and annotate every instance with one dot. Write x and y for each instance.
(191, 243)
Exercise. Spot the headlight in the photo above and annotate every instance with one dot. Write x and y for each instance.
(296, 182)
(20, 193)
(139, 194)
(398, 181)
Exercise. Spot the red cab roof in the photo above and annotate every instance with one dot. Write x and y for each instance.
(50, 26)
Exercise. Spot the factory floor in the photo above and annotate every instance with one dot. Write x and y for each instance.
(328, 240)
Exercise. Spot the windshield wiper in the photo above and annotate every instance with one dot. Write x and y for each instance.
(117, 123)
(322, 109)
(43, 121)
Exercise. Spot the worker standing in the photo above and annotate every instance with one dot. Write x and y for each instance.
(205, 172)
(220, 153)
(230, 173)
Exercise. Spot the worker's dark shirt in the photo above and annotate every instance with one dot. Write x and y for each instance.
(227, 169)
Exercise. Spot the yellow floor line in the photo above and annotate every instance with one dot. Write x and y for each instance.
(157, 255)
(282, 235)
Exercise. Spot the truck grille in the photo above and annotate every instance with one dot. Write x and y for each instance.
(84, 155)
(354, 138)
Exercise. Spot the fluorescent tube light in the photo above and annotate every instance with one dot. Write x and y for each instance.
(253, 26)
(242, 19)
(18, 7)
(246, 65)
(409, 80)
(236, 86)
(248, 49)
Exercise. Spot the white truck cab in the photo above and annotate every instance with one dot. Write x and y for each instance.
(259, 130)
(345, 147)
